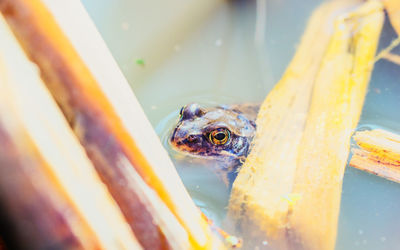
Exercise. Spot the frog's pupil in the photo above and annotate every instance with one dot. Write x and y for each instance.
(220, 136)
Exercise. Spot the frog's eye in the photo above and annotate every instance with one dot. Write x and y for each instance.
(181, 112)
(220, 136)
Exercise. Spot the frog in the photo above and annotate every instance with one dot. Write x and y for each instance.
(222, 134)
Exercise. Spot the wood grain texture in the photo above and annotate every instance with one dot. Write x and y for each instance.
(378, 153)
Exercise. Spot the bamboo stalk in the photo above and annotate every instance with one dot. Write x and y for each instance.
(378, 153)
(107, 119)
(51, 196)
(283, 185)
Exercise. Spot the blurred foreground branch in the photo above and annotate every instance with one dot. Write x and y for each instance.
(108, 122)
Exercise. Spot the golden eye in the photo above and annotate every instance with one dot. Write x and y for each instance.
(220, 136)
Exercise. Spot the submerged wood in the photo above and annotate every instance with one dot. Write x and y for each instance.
(289, 187)
(50, 194)
(378, 153)
(109, 122)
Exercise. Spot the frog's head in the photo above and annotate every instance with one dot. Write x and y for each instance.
(219, 132)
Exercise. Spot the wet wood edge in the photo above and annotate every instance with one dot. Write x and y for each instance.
(378, 153)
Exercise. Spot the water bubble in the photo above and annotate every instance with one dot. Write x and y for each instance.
(218, 42)
(125, 25)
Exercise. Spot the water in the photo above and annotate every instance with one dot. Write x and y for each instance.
(212, 57)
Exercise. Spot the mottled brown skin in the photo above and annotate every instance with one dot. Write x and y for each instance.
(222, 133)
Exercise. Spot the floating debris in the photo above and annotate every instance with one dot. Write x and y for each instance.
(140, 62)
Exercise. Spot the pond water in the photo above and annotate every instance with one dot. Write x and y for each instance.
(223, 52)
